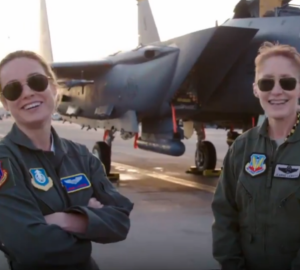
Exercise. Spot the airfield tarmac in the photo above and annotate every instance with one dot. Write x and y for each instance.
(171, 220)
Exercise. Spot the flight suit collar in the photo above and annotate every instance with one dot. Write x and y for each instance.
(294, 135)
(19, 138)
(52, 148)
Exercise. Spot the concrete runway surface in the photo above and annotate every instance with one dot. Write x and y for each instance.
(171, 220)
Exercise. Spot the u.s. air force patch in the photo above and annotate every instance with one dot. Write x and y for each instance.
(3, 174)
(6, 174)
(40, 180)
(74, 183)
(257, 164)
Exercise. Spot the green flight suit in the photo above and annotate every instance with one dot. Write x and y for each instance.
(26, 196)
(256, 205)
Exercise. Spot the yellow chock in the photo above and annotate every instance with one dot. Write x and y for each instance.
(194, 170)
(114, 177)
(211, 173)
(214, 173)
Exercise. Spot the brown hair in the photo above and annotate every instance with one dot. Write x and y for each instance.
(269, 49)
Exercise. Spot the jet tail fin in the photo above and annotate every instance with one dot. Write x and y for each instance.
(148, 32)
(45, 37)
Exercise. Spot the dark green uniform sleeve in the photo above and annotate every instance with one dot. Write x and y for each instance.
(111, 223)
(226, 247)
(26, 236)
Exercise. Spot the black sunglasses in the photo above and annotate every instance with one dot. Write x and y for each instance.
(267, 84)
(37, 82)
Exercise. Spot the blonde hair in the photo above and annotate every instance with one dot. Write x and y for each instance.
(33, 56)
(269, 49)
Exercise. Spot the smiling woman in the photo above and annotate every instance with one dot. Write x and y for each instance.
(46, 180)
(257, 197)
(29, 96)
(277, 86)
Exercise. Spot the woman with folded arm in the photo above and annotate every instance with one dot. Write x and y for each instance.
(55, 197)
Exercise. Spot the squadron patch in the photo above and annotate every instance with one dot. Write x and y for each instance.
(77, 182)
(257, 164)
(3, 174)
(40, 180)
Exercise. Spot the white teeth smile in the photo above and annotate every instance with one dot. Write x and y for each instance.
(278, 102)
(32, 105)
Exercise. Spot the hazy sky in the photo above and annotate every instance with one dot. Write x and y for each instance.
(90, 29)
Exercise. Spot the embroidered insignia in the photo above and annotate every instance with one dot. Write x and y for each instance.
(3, 175)
(287, 171)
(40, 180)
(256, 165)
(77, 182)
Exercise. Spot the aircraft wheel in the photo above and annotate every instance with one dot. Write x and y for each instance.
(103, 151)
(205, 156)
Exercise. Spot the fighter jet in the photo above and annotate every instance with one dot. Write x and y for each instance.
(202, 78)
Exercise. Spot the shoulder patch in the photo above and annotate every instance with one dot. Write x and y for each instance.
(3, 175)
(40, 180)
(6, 175)
(76, 182)
(256, 165)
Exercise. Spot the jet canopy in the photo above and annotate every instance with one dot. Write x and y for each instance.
(254, 9)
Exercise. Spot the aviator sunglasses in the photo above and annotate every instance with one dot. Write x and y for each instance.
(267, 84)
(37, 82)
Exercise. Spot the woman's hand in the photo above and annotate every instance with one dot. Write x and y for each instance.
(94, 203)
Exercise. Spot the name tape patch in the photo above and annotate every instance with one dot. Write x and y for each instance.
(40, 180)
(256, 165)
(287, 171)
(74, 183)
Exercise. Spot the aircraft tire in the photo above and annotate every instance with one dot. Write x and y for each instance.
(205, 156)
(103, 151)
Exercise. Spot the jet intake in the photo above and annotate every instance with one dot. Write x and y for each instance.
(149, 54)
(170, 147)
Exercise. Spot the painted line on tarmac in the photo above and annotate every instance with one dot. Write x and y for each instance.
(167, 178)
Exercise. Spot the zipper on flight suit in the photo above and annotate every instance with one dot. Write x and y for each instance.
(271, 165)
(65, 191)
(56, 169)
(268, 186)
(269, 183)
(66, 195)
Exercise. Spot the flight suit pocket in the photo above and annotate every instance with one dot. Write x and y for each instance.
(291, 205)
(287, 221)
(78, 188)
(245, 205)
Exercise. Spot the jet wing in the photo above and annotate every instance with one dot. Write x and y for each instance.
(81, 70)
